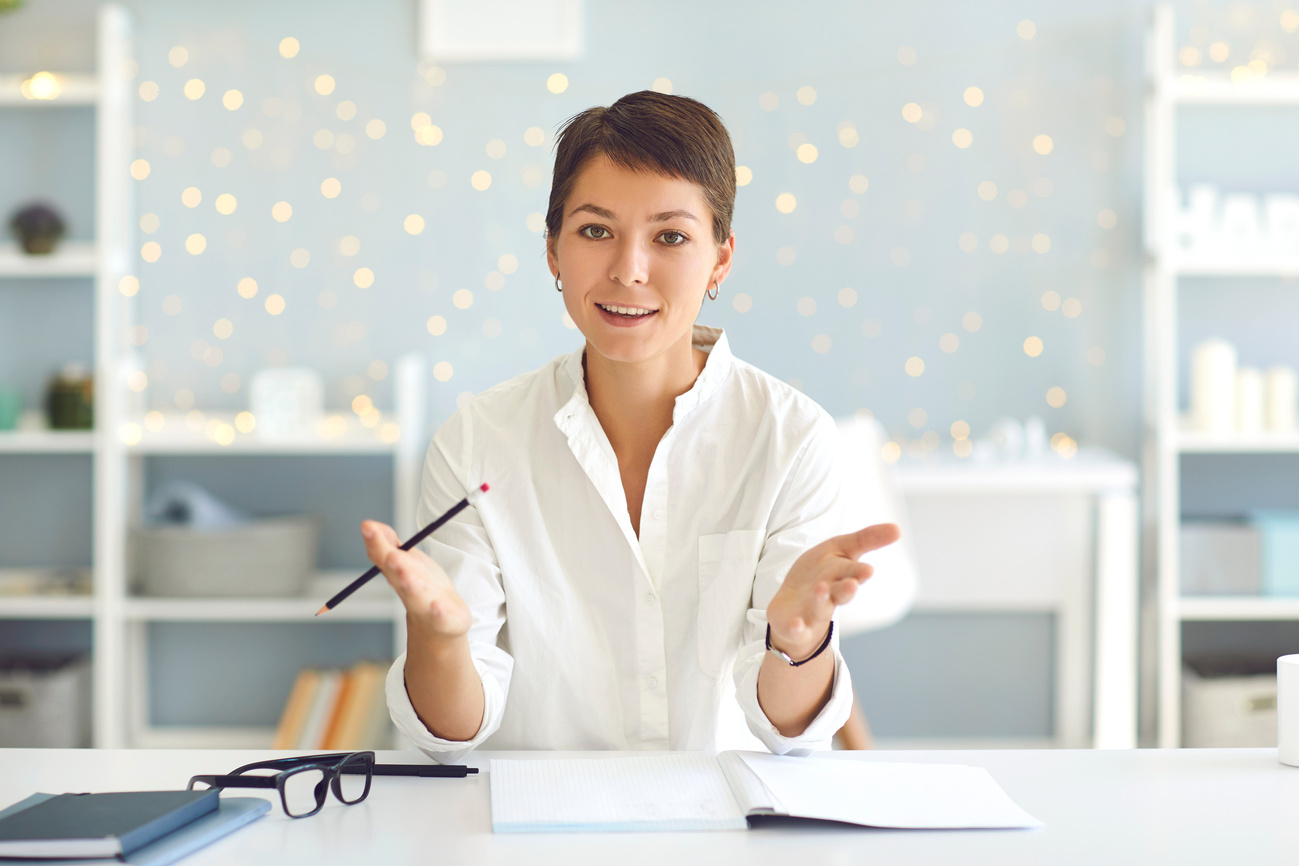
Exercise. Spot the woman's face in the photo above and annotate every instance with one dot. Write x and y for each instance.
(642, 243)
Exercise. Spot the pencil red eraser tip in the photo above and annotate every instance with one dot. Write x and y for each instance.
(483, 488)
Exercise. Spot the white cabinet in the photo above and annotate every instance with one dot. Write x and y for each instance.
(1042, 536)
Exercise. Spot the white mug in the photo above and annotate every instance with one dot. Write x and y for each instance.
(1287, 709)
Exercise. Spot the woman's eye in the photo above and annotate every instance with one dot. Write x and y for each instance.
(595, 233)
(673, 239)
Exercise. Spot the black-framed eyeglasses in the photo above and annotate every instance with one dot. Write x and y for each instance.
(303, 782)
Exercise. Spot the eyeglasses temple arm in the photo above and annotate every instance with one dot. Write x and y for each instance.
(236, 781)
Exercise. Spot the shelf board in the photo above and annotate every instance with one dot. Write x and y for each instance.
(1231, 266)
(76, 89)
(69, 259)
(1232, 608)
(1192, 442)
(225, 737)
(47, 441)
(1275, 88)
(375, 602)
(175, 436)
(186, 737)
(46, 607)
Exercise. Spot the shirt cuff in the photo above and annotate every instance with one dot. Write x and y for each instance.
(819, 733)
(408, 721)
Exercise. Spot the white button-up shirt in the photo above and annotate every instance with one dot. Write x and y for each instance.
(588, 637)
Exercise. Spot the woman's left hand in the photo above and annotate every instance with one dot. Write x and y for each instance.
(824, 577)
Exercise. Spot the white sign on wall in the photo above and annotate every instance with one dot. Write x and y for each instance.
(453, 31)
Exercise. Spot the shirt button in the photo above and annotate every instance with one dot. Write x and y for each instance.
(658, 513)
(649, 600)
(652, 682)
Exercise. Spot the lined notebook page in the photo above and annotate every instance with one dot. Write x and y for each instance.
(887, 794)
(685, 791)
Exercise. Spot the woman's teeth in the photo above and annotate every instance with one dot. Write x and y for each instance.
(626, 311)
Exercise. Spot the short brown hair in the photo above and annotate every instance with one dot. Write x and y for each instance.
(674, 136)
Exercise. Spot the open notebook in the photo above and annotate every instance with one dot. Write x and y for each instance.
(698, 791)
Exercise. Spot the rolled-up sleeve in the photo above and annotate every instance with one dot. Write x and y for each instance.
(464, 550)
(807, 512)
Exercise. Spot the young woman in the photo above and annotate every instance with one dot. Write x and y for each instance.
(660, 556)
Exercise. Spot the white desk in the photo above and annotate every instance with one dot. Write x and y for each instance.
(1145, 807)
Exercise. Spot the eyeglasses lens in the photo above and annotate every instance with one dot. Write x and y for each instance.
(354, 779)
(303, 791)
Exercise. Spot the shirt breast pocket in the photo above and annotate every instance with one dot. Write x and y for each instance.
(727, 564)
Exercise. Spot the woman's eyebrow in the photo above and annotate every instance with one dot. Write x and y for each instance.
(605, 213)
(595, 209)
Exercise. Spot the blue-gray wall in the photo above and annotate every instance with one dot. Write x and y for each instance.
(1079, 80)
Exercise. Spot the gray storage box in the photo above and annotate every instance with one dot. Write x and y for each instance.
(270, 557)
(1219, 558)
(44, 701)
(1229, 703)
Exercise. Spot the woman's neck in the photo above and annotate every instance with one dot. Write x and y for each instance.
(634, 400)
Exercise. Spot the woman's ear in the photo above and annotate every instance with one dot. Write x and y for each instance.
(725, 255)
(552, 257)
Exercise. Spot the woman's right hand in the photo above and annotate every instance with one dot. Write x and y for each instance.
(434, 609)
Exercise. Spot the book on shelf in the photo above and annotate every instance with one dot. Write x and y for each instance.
(336, 710)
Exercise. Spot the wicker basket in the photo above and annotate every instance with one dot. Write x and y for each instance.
(271, 557)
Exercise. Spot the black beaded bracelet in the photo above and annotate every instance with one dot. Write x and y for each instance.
(825, 643)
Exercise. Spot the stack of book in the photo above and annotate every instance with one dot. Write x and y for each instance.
(336, 709)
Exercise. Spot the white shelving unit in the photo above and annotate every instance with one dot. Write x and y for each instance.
(121, 443)
(104, 262)
(397, 435)
(1169, 437)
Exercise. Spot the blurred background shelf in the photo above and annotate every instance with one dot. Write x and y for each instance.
(218, 434)
(46, 593)
(1276, 88)
(47, 441)
(74, 89)
(1237, 608)
(46, 607)
(1194, 442)
(69, 259)
(1235, 267)
(375, 602)
(187, 737)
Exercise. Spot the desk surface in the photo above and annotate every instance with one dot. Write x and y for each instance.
(1208, 806)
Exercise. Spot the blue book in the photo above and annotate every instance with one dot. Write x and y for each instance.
(229, 815)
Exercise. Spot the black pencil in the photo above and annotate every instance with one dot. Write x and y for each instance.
(454, 771)
(414, 540)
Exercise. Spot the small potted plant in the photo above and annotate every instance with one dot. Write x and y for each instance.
(39, 227)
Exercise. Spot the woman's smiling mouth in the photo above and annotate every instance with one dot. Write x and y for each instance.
(626, 312)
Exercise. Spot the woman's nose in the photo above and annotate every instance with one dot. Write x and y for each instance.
(630, 264)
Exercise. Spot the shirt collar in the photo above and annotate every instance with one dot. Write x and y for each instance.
(719, 363)
(713, 341)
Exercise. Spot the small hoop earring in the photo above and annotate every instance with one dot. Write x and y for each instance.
(712, 293)
(557, 288)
